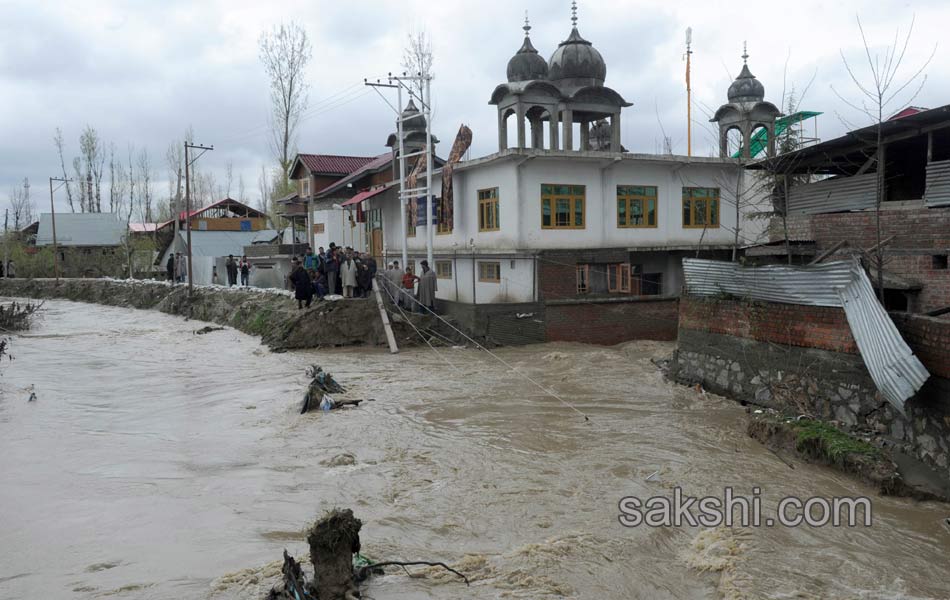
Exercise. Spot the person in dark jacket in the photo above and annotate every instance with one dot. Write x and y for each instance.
(232, 268)
(245, 271)
(170, 267)
(333, 271)
(303, 288)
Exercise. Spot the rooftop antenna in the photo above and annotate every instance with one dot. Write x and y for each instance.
(689, 103)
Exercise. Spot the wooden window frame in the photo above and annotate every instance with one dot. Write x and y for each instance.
(442, 263)
(583, 279)
(620, 274)
(627, 198)
(481, 271)
(710, 197)
(488, 199)
(577, 195)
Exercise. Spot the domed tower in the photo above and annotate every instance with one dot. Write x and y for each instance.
(565, 90)
(746, 112)
(413, 132)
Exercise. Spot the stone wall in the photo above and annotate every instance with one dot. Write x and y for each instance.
(803, 360)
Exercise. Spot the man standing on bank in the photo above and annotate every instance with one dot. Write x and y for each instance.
(428, 284)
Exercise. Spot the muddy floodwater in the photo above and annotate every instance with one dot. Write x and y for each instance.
(160, 464)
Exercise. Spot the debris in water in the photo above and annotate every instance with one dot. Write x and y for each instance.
(32, 393)
(318, 392)
(208, 329)
(652, 475)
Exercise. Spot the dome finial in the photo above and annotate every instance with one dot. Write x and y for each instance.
(527, 25)
(745, 53)
(574, 13)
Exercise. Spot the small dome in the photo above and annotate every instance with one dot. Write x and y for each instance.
(527, 64)
(416, 124)
(746, 88)
(576, 58)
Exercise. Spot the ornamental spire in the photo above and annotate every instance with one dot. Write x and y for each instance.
(745, 53)
(574, 13)
(527, 25)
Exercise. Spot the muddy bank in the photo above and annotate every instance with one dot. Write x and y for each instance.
(270, 314)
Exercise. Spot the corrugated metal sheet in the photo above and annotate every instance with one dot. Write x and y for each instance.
(896, 372)
(81, 229)
(938, 183)
(833, 195)
(813, 286)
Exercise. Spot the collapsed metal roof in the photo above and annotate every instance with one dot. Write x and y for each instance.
(896, 372)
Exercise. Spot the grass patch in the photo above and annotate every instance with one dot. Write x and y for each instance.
(822, 440)
(261, 322)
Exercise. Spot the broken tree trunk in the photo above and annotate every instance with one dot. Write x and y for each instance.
(333, 541)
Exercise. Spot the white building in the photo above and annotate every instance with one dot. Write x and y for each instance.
(561, 214)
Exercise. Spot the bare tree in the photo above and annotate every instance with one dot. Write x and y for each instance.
(285, 52)
(117, 181)
(884, 88)
(58, 140)
(21, 205)
(417, 56)
(131, 185)
(145, 185)
(93, 157)
(228, 178)
(241, 191)
(264, 190)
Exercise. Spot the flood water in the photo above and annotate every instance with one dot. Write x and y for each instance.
(156, 463)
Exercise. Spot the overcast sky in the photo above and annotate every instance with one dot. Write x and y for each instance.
(142, 72)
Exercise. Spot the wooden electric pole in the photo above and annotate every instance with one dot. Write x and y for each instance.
(188, 163)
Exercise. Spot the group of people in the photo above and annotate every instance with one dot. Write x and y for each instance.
(337, 271)
(176, 268)
(400, 285)
(233, 267)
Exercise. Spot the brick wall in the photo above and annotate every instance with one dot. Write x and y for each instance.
(929, 338)
(557, 271)
(920, 234)
(791, 324)
(611, 321)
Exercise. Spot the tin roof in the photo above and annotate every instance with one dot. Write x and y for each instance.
(333, 164)
(81, 229)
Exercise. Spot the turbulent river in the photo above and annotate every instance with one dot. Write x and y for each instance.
(156, 463)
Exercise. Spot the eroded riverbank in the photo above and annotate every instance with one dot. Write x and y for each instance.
(160, 464)
(271, 314)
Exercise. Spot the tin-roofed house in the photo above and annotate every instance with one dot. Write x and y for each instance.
(87, 244)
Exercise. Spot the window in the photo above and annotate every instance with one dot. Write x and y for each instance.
(583, 279)
(488, 210)
(411, 218)
(443, 216)
(305, 187)
(939, 261)
(562, 206)
(700, 207)
(636, 206)
(489, 272)
(618, 278)
(443, 269)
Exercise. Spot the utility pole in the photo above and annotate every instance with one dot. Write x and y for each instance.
(188, 163)
(52, 209)
(689, 103)
(400, 83)
(6, 240)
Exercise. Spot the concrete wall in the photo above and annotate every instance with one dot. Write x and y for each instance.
(611, 321)
(803, 360)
